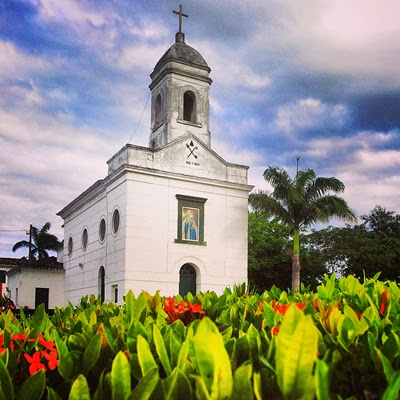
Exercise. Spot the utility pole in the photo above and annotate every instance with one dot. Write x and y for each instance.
(30, 242)
(297, 165)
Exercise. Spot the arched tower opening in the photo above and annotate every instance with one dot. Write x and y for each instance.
(158, 110)
(189, 107)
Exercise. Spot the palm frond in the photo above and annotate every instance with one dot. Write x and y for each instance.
(20, 245)
(280, 181)
(263, 201)
(327, 207)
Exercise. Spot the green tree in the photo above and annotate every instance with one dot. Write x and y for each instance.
(268, 244)
(355, 251)
(269, 255)
(380, 220)
(299, 203)
(42, 241)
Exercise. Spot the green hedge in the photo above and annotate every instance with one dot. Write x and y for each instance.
(341, 342)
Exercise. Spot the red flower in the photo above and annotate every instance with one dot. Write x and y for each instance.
(51, 358)
(300, 306)
(275, 330)
(281, 308)
(182, 307)
(197, 308)
(49, 345)
(383, 302)
(104, 342)
(36, 365)
(2, 343)
(19, 336)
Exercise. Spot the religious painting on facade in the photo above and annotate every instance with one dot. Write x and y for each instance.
(190, 223)
(191, 211)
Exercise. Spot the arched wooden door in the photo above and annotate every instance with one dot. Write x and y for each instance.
(187, 280)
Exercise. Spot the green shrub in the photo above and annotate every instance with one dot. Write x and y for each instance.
(339, 342)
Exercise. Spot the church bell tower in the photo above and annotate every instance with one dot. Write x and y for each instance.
(180, 87)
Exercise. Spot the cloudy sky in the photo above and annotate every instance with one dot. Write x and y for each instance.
(319, 80)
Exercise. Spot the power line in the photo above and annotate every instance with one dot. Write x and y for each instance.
(12, 230)
(140, 120)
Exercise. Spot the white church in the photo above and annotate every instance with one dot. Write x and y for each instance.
(171, 216)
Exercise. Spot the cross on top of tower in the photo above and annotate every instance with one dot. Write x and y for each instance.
(181, 14)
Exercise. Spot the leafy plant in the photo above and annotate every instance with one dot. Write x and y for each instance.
(340, 342)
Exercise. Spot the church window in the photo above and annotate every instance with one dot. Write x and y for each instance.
(189, 107)
(190, 220)
(101, 283)
(115, 221)
(84, 239)
(114, 291)
(102, 230)
(187, 280)
(70, 246)
(158, 110)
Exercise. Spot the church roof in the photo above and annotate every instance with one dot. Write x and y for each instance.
(183, 53)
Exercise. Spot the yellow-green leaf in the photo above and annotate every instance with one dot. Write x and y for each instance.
(79, 389)
(322, 380)
(146, 359)
(91, 354)
(6, 384)
(212, 360)
(161, 350)
(120, 377)
(242, 387)
(33, 387)
(146, 385)
(296, 353)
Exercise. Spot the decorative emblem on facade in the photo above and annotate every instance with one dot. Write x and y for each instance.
(192, 148)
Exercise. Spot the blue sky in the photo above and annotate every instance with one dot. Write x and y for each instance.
(319, 80)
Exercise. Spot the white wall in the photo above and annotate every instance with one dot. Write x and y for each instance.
(82, 266)
(27, 280)
(143, 254)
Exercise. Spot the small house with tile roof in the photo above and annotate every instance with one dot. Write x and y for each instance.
(30, 283)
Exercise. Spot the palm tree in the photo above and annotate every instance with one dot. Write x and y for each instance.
(42, 241)
(300, 203)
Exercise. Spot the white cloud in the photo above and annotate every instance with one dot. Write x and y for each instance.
(216, 106)
(233, 154)
(372, 160)
(148, 29)
(62, 11)
(308, 113)
(17, 64)
(364, 192)
(140, 55)
(358, 37)
(360, 143)
(230, 66)
(45, 163)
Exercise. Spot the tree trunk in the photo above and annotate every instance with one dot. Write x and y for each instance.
(296, 272)
(296, 261)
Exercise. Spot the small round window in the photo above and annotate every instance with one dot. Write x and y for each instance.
(84, 239)
(102, 230)
(115, 220)
(70, 246)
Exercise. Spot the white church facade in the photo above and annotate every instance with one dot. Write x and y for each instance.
(169, 217)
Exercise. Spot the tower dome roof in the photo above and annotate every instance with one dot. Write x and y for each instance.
(181, 52)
